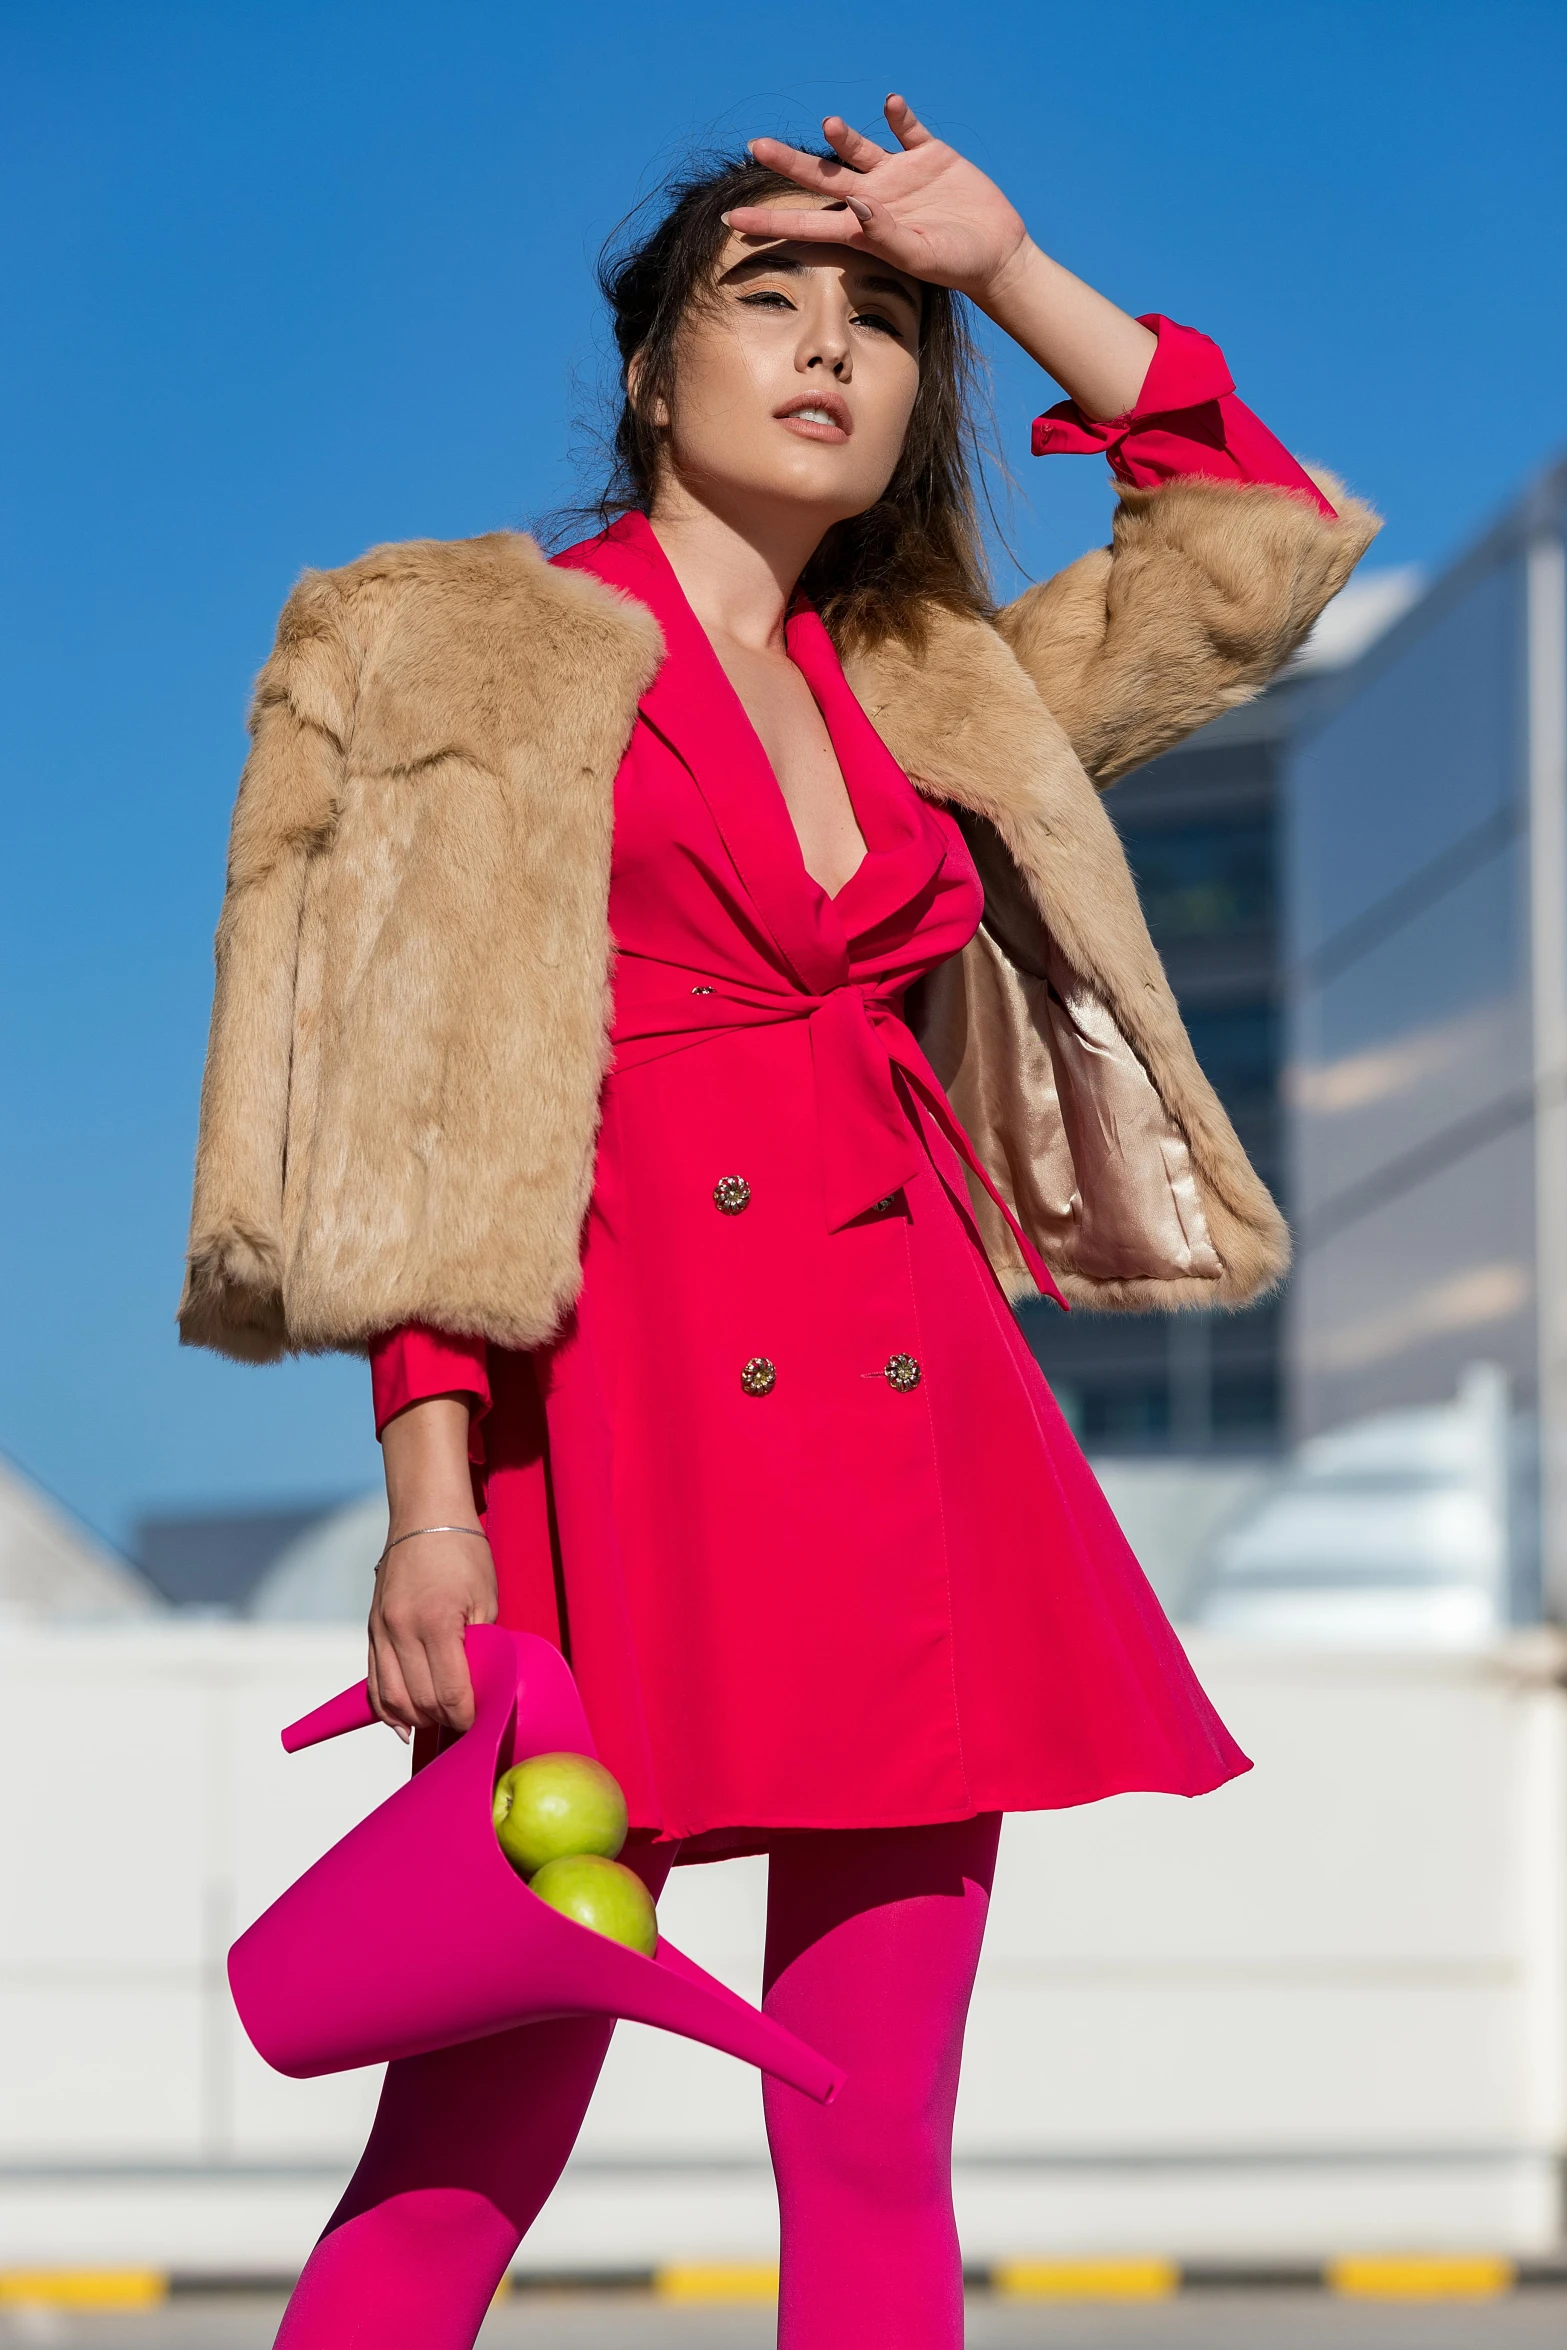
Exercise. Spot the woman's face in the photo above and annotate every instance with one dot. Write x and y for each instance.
(796, 380)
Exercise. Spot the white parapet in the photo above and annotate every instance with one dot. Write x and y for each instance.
(1325, 2008)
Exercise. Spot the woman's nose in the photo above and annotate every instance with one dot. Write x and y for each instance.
(826, 344)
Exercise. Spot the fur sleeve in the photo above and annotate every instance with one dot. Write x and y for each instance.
(285, 812)
(1205, 591)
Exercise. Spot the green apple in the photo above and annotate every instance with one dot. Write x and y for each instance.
(602, 1895)
(554, 1805)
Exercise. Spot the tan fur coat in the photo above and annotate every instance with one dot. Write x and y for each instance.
(414, 964)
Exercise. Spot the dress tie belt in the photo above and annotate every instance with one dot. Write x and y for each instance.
(870, 1147)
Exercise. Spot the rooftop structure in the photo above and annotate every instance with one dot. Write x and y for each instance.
(214, 1559)
(53, 1570)
(1426, 888)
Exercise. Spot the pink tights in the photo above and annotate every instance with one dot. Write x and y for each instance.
(873, 1937)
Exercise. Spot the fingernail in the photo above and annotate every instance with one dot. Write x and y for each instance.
(403, 1731)
(724, 217)
(861, 212)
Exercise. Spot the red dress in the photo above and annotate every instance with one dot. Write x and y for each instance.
(789, 1486)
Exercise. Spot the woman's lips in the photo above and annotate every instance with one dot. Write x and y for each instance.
(817, 419)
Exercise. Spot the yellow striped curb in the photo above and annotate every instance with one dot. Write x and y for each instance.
(83, 2288)
(1086, 2280)
(1421, 2276)
(717, 2280)
(1364, 2276)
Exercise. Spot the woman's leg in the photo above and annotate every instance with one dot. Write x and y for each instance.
(873, 1937)
(466, 2147)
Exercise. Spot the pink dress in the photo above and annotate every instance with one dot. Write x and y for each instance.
(789, 1487)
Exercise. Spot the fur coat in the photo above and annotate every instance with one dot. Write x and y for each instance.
(414, 965)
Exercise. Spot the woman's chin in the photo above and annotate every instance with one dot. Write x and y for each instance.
(830, 492)
(823, 493)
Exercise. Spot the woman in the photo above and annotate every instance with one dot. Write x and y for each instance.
(683, 1294)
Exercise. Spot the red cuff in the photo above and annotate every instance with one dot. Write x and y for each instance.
(1186, 420)
(409, 1365)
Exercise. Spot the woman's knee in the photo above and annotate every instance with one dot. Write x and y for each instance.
(883, 2139)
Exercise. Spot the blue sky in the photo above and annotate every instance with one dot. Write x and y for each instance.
(286, 280)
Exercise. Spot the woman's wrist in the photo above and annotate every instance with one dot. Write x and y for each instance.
(434, 1504)
(404, 1525)
(1008, 295)
(425, 1454)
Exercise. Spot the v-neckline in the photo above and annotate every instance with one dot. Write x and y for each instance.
(694, 707)
(764, 756)
(636, 534)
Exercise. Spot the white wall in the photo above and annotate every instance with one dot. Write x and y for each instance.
(1325, 2007)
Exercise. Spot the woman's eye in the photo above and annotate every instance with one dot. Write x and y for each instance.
(885, 326)
(768, 299)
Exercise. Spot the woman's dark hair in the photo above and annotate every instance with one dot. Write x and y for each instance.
(920, 542)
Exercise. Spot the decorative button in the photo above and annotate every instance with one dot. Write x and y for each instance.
(902, 1372)
(760, 1377)
(701, 991)
(884, 1207)
(731, 1195)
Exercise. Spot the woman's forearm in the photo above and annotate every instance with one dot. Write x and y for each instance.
(425, 1455)
(1096, 353)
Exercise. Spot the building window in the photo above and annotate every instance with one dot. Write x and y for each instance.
(1208, 879)
(1122, 1411)
(1237, 1047)
(1246, 1404)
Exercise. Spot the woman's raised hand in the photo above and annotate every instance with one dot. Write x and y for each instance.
(919, 205)
(930, 213)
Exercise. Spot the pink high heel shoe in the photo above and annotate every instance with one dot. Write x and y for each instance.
(415, 1933)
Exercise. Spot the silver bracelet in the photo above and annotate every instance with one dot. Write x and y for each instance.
(477, 1531)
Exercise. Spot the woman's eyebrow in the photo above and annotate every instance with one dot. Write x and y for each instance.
(776, 264)
(760, 264)
(892, 285)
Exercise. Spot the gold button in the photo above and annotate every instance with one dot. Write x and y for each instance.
(731, 1195)
(760, 1377)
(901, 1372)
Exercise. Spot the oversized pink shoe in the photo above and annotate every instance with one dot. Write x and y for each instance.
(414, 1932)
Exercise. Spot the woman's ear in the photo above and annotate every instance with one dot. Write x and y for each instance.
(659, 416)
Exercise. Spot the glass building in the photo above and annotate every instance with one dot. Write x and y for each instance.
(1425, 1007)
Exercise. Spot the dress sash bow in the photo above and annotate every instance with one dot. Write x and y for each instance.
(861, 1047)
